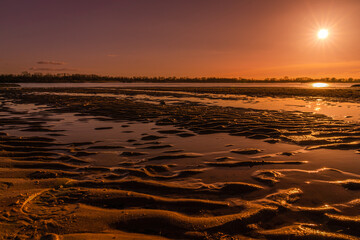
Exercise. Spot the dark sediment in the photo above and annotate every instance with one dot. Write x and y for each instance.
(53, 190)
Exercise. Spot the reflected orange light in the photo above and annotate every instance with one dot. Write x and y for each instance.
(320, 85)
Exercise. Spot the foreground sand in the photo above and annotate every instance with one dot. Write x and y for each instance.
(103, 168)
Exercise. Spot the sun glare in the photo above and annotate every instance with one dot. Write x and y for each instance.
(323, 33)
(320, 85)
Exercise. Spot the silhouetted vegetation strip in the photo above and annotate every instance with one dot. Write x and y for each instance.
(76, 78)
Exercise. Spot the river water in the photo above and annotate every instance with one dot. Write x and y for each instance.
(142, 84)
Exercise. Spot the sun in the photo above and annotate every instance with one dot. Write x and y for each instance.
(323, 33)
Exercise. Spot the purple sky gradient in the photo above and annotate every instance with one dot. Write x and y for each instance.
(195, 38)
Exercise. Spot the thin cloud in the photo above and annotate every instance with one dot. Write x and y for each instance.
(53, 69)
(51, 63)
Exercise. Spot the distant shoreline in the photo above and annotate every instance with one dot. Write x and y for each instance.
(77, 78)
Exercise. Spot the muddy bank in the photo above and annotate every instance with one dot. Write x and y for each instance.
(334, 94)
(129, 178)
(306, 129)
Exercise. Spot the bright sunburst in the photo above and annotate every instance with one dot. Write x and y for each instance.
(323, 33)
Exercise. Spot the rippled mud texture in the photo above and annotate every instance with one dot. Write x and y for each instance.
(333, 94)
(306, 129)
(52, 189)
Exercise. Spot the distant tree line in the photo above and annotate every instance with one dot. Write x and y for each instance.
(76, 78)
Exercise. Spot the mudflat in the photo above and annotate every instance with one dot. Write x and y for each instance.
(177, 163)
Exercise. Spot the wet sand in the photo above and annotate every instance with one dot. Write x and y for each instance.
(97, 167)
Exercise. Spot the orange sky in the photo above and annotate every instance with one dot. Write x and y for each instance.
(227, 38)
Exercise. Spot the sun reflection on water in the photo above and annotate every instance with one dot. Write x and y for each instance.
(320, 85)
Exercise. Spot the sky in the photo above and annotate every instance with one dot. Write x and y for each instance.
(182, 38)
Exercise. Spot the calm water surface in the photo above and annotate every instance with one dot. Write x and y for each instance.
(119, 84)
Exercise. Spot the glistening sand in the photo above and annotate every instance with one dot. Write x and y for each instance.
(100, 167)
